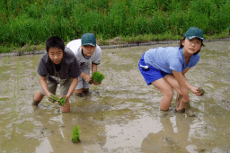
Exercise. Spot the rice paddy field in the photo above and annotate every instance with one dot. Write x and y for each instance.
(120, 115)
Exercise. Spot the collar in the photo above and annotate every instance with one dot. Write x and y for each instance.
(86, 57)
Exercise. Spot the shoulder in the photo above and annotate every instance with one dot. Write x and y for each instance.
(74, 42)
(74, 45)
(98, 49)
(68, 53)
(45, 57)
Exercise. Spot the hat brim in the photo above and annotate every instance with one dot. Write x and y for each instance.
(190, 38)
(92, 44)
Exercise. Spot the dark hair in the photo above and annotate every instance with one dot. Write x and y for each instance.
(181, 46)
(53, 42)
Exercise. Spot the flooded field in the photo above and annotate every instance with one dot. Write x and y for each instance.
(122, 114)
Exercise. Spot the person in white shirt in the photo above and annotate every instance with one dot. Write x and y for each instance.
(87, 53)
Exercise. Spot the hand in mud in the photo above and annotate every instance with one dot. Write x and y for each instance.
(51, 99)
(60, 97)
(201, 91)
(197, 91)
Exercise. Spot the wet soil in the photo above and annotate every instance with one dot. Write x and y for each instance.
(120, 115)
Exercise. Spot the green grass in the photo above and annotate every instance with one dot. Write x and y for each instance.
(32, 22)
(76, 134)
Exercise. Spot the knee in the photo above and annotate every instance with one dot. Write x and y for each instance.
(168, 93)
(38, 96)
(78, 91)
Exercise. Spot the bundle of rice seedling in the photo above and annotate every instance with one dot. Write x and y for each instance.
(97, 77)
(61, 101)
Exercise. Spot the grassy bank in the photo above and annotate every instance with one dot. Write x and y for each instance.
(116, 40)
(31, 22)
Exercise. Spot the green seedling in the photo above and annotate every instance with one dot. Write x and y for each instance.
(61, 100)
(97, 77)
(76, 134)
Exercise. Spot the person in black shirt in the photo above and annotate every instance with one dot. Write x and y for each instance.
(57, 66)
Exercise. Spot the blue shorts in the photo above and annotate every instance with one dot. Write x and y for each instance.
(150, 73)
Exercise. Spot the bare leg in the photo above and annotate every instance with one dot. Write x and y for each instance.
(37, 98)
(167, 91)
(79, 92)
(66, 108)
(173, 82)
(85, 89)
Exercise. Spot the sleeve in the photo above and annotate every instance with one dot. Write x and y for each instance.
(75, 70)
(176, 64)
(97, 58)
(42, 68)
(195, 60)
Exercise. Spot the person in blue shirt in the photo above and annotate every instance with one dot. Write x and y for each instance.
(165, 69)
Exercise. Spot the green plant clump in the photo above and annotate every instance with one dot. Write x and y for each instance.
(60, 101)
(97, 77)
(32, 22)
(76, 134)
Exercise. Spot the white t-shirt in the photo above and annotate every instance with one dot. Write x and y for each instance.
(75, 47)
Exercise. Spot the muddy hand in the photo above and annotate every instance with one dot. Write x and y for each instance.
(188, 109)
(51, 99)
(59, 103)
(201, 91)
(90, 81)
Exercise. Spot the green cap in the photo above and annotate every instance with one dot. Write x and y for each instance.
(88, 39)
(194, 32)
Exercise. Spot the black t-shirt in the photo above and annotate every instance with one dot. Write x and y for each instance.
(57, 67)
(68, 68)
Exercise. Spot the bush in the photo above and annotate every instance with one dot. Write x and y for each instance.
(34, 21)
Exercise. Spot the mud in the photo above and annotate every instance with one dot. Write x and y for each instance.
(120, 115)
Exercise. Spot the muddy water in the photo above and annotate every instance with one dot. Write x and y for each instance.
(120, 115)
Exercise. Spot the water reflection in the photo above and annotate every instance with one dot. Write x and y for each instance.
(173, 137)
(124, 137)
(44, 147)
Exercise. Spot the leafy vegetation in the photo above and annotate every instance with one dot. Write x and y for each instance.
(97, 77)
(76, 134)
(32, 22)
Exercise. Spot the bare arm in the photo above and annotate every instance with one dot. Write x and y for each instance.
(184, 90)
(72, 87)
(94, 67)
(44, 86)
(195, 90)
(87, 76)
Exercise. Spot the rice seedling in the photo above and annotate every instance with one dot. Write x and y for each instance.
(15, 112)
(102, 95)
(76, 134)
(61, 101)
(3, 65)
(97, 77)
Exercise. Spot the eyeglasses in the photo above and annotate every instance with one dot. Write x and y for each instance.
(197, 43)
